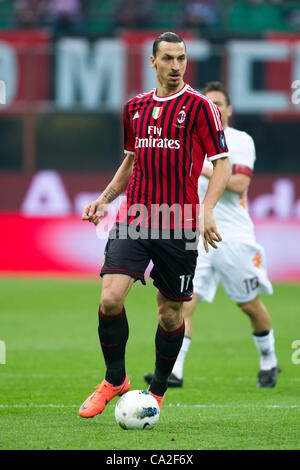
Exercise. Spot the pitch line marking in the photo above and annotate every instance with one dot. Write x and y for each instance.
(96, 377)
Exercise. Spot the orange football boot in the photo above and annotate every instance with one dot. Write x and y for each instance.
(157, 398)
(104, 392)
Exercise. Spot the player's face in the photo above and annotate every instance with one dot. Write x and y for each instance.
(170, 64)
(219, 100)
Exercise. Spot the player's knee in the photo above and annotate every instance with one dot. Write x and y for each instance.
(111, 302)
(170, 315)
(248, 308)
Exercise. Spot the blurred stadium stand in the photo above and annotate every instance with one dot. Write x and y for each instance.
(7, 14)
(106, 16)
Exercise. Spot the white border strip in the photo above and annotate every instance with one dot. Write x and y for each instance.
(170, 405)
(129, 152)
(170, 97)
(219, 155)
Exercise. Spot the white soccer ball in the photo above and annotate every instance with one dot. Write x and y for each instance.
(137, 409)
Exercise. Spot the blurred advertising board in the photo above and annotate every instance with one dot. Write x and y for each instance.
(25, 67)
(100, 74)
(68, 246)
(41, 228)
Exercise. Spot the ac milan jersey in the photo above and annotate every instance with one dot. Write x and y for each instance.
(169, 137)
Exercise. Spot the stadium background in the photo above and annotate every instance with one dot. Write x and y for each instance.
(69, 66)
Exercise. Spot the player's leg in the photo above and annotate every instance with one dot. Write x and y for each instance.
(176, 377)
(168, 341)
(258, 315)
(125, 262)
(263, 336)
(174, 263)
(205, 285)
(243, 274)
(113, 326)
(113, 336)
(187, 312)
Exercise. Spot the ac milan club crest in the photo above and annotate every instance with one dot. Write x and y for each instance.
(181, 117)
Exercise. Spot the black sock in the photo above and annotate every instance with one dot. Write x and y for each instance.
(168, 345)
(113, 336)
(262, 333)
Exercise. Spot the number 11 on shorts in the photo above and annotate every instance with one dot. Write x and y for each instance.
(185, 280)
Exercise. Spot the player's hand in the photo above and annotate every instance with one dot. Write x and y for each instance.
(208, 230)
(94, 211)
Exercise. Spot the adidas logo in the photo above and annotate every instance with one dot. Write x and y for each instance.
(136, 115)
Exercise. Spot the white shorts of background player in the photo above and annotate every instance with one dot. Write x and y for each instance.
(240, 267)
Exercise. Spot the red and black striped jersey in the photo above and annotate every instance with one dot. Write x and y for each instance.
(169, 137)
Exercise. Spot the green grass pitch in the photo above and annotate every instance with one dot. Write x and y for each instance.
(53, 361)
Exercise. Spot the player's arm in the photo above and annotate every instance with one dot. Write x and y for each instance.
(214, 143)
(218, 180)
(95, 210)
(92, 212)
(242, 168)
(238, 182)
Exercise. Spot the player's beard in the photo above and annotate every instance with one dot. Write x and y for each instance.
(173, 83)
(167, 82)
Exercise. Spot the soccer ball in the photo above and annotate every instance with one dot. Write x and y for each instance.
(137, 409)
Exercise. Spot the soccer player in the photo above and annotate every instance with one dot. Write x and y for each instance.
(239, 262)
(167, 133)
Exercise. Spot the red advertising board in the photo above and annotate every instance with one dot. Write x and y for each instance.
(41, 230)
(269, 194)
(69, 246)
(279, 75)
(25, 66)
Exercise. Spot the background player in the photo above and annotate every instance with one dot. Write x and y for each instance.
(168, 132)
(239, 262)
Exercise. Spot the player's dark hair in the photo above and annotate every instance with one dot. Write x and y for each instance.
(168, 37)
(217, 86)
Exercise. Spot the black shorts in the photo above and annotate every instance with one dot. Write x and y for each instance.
(173, 264)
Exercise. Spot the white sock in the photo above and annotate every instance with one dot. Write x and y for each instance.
(178, 366)
(266, 349)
